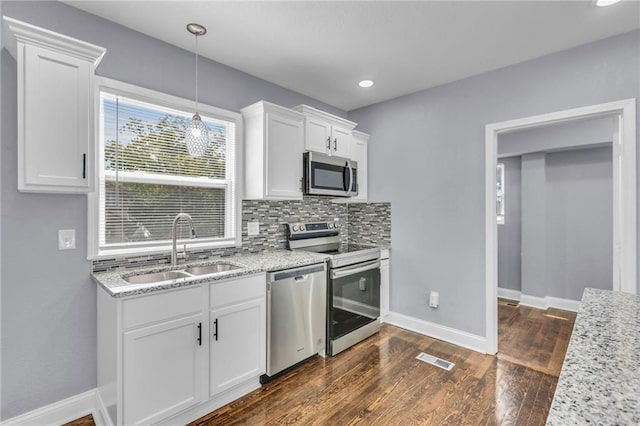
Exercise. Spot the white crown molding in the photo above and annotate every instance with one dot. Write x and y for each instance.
(20, 32)
(333, 119)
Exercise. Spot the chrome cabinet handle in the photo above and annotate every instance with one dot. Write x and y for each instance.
(335, 144)
(215, 324)
(328, 142)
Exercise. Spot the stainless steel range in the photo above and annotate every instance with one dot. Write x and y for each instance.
(353, 290)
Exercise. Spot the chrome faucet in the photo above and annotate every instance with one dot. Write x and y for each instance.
(174, 254)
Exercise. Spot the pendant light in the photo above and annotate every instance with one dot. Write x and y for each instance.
(197, 136)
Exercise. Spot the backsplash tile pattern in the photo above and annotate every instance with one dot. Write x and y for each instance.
(274, 216)
(370, 223)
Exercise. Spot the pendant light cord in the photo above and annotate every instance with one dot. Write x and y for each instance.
(196, 73)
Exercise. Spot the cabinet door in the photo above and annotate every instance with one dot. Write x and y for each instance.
(359, 154)
(163, 369)
(283, 157)
(384, 287)
(237, 349)
(340, 142)
(318, 136)
(55, 113)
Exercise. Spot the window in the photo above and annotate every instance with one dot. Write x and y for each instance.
(146, 177)
(500, 193)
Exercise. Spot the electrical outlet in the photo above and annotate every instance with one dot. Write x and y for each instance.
(66, 239)
(434, 299)
(253, 228)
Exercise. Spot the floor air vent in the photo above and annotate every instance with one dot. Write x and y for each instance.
(430, 359)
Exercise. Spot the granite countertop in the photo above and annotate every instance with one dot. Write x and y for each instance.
(600, 378)
(252, 263)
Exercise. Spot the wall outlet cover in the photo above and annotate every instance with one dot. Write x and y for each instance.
(253, 228)
(434, 299)
(66, 239)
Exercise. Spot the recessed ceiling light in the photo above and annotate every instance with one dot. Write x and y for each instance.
(603, 3)
(365, 83)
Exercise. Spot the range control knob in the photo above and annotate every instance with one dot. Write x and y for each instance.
(295, 228)
(302, 227)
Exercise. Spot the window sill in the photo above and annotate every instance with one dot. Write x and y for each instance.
(164, 249)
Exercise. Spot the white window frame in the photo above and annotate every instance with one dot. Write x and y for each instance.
(234, 195)
(500, 193)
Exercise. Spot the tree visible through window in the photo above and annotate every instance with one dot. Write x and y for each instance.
(148, 177)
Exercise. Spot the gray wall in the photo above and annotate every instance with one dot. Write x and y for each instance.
(556, 137)
(572, 261)
(534, 226)
(427, 158)
(48, 301)
(579, 230)
(509, 233)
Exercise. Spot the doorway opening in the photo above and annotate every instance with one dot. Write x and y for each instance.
(624, 196)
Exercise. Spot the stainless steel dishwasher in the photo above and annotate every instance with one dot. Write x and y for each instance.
(296, 316)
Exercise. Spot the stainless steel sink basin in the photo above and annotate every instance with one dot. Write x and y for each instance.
(155, 277)
(211, 269)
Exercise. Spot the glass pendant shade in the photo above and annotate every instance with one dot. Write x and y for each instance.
(196, 137)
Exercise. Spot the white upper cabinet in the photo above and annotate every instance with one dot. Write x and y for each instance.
(55, 109)
(359, 153)
(274, 143)
(326, 133)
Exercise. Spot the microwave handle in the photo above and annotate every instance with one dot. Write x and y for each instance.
(348, 186)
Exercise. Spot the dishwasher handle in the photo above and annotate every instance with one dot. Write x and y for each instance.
(296, 273)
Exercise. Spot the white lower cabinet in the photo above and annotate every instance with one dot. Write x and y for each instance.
(238, 332)
(162, 365)
(173, 356)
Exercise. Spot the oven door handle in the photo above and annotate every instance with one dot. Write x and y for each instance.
(343, 272)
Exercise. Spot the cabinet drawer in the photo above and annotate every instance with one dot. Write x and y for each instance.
(163, 306)
(237, 290)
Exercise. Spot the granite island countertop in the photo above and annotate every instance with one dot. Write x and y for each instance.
(250, 263)
(600, 378)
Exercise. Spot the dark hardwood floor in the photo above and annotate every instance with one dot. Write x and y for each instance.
(379, 381)
(532, 337)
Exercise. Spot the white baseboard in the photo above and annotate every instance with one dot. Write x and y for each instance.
(437, 331)
(533, 301)
(565, 304)
(90, 402)
(545, 302)
(61, 412)
(507, 293)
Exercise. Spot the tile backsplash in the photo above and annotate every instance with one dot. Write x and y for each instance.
(370, 223)
(362, 223)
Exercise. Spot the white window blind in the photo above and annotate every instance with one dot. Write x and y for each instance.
(147, 176)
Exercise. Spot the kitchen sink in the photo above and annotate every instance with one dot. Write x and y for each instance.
(156, 277)
(211, 269)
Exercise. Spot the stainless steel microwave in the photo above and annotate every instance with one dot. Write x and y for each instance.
(329, 175)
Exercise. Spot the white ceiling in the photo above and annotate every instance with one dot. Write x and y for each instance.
(322, 49)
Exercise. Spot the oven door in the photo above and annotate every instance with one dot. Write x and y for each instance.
(325, 175)
(354, 298)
